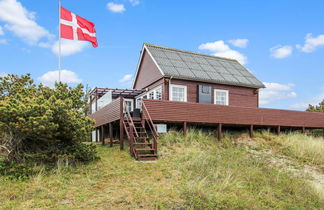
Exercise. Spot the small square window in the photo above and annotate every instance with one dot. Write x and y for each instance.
(205, 89)
(221, 97)
(178, 93)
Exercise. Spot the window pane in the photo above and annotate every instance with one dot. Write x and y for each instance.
(221, 97)
(178, 93)
(158, 94)
(151, 95)
(139, 103)
(128, 106)
(205, 89)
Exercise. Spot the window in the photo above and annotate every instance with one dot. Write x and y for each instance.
(221, 97)
(155, 93)
(151, 95)
(178, 93)
(158, 93)
(139, 103)
(205, 89)
(129, 104)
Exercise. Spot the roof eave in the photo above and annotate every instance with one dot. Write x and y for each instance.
(216, 82)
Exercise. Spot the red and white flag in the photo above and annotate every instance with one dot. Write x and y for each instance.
(77, 28)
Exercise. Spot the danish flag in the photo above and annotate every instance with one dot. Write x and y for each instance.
(75, 27)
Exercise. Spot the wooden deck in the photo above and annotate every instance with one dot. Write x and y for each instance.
(155, 111)
(179, 112)
(170, 111)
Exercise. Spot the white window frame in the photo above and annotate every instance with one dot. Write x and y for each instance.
(222, 91)
(178, 86)
(140, 97)
(132, 103)
(137, 102)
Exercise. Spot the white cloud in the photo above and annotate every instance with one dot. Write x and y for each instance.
(134, 2)
(21, 22)
(3, 41)
(68, 47)
(311, 43)
(242, 43)
(276, 92)
(315, 100)
(49, 78)
(126, 78)
(219, 48)
(280, 52)
(116, 8)
(1, 31)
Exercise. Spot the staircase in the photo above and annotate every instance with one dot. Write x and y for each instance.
(142, 148)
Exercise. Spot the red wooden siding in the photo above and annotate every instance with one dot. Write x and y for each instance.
(170, 111)
(108, 114)
(147, 73)
(238, 96)
(159, 82)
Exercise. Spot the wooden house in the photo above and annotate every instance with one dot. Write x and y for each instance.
(176, 86)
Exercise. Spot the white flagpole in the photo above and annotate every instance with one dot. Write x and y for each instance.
(59, 54)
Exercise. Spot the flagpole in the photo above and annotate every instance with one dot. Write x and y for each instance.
(59, 53)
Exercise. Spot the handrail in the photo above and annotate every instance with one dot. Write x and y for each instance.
(131, 143)
(129, 118)
(151, 125)
(150, 119)
(128, 136)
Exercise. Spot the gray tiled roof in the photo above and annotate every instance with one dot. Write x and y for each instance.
(196, 66)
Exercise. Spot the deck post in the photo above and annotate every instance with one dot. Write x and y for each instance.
(303, 130)
(278, 130)
(103, 134)
(251, 131)
(111, 136)
(121, 126)
(219, 131)
(97, 136)
(185, 129)
(131, 140)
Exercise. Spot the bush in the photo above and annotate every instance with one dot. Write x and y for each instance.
(13, 170)
(39, 124)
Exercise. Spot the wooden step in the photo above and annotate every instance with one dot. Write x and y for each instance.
(144, 149)
(147, 159)
(136, 119)
(146, 155)
(143, 143)
(141, 137)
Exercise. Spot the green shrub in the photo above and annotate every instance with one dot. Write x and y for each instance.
(13, 170)
(80, 153)
(42, 125)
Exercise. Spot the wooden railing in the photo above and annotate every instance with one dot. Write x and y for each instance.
(129, 119)
(179, 112)
(151, 125)
(131, 131)
(107, 114)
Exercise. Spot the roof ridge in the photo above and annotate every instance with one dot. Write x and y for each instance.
(187, 51)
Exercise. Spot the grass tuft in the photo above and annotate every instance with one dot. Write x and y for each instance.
(307, 149)
(193, 172)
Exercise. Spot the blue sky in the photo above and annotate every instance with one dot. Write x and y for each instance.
(281, 42)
